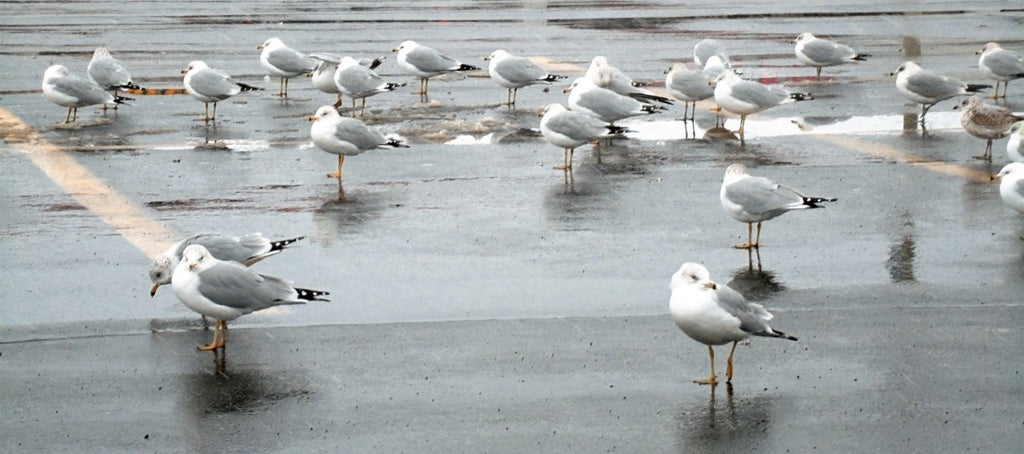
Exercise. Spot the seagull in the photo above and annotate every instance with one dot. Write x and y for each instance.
(715, 314)
(68, 90)
(604, 75)
(426, 62)
(819, 52)
(360, 82)
(569, 129)
(246, 250)
(706, 48)
(1011, 185)
(327, 65)
(757, 199)
(109, 73)
(514, 72)
(927, 88)
(744, 97)
(1001, 64)
(282, 61)
(986, 121)
(345, 137)
(688, 86)
(604, 104)
(226, 290)
(1015, 146)
(211, 86)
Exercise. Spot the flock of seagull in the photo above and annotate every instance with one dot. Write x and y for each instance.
(210, 272)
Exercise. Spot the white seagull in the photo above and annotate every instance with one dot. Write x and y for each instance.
(819, 52)
(604, 75)
(744, 97)
(226, 290)
(1015, 146)
(68, 90)
(715, 314)
(211, 86)
(345, 137)
(360, 82)
(513, 73)
(688, 86)
(752, 199)
(109, 73)
(425, 62)
(282, 61)
(1011, 186)
(247, 250)
(1001, 64)
(604, 104)
(927, 88)
(568, 129)
(705, 48)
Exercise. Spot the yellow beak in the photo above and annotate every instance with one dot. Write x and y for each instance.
(152, 290)
(711, 285)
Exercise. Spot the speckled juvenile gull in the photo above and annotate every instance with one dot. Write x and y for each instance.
(425, 62)
(715, 314)
(360, 82)
(71, 91)
(820, 52)
(108, 72)
(605, 104)
(1001, 64)
(514, 72)
(604, 75)
(744, 97)
(211, 86)
(986, 121)
(246, 249)
(753, 199)
(1015, 146)
(345, 137)
(226, 290)
(282, 61)
(568, 129)
(927, 88)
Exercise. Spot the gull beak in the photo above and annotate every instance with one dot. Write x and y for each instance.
(978, 52)
(394, 49)
(260, 47)
(152, 290)
(711, 285)
(312, 118)
(487, 58)
(184, 70)
(993, 177)
(192, 266)
(567, 90)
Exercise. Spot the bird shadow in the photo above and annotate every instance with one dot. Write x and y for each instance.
(755, 283)
(728, 423)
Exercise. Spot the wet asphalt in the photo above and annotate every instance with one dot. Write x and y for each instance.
(479, 304)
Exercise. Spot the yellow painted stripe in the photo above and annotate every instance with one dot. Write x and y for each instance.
(894, 154)
(119, 212)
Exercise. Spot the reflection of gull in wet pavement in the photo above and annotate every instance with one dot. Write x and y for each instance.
(211, 86)
(688, 86)
(927, 88)
(604, 75)
(360, 82)
(819, 52)
(345, 137)
(108, 72)
(226, 290)
(985, 121)
(425, 62)
(1015, 146)
(513, 73)
(605, 104)
(757, 199)
(68, 90)
(247, 250)
(744, 97)
(1011, 186)
(713, 314)
(1001, 64)
(282, 61)
(568, 129)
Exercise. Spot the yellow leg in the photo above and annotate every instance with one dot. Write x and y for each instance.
(219, 336)
(712, 379)
(341, 161)
(728, 364)
(748, 244)
(743, 122)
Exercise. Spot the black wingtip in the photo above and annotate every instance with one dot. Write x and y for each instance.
(974, 88)
(801, 96)
(122, 99)
(812, 202)
(465, 67)
(391, 86)
(395, 143)
(376, 62)
(131, 86)
(612, 129)
(311, 295)
(281, 244)
(639, 84)
(644, 97)
(246, 87)
(554, 77)
(861, 57)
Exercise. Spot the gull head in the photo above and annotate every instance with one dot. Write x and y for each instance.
(693, 274)
(907, 67)
(160, 272)
(271, 42)
(194, 65)
(194, 256)
(1014, 168)
(405, 46)
(324, 112)
(989, 47)
(500, 53)
(805, 36)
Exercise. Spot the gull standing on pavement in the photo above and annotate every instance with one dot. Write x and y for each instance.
(819, 52)
(109, 73)
(689, 86)
(211, 86)
(604, 75)
(425, 62)
(986, 121)
(226, 290)
(360, 82)
(744, 97)
(282, 61)
(68, 90)
(715, 314)
(568, 129)
(1001, 64)
(753, 199)
(927, 88)
(513, 73)
(345, 137)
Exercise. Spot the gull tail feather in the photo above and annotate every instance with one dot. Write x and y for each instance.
(974, 88)
(246, 87)
(281, 244)
(812, 202)
(311, 295)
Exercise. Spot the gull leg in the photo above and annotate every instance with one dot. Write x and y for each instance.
(67, 119)
(341, 161)
(748, 244)
(362, 108)
(712, 380)
(338, 102)
(988, 152)
(728, 364)
(757, 239)
(743, 122)
(817, 74)
(219, 337)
